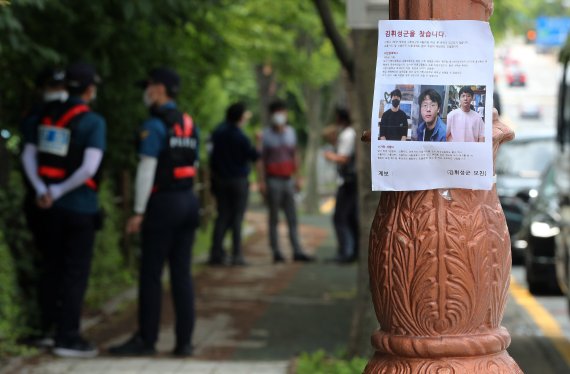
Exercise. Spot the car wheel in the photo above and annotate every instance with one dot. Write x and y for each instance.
(542, 287)
(539, 288)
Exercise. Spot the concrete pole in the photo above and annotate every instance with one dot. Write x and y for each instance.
(440, 267)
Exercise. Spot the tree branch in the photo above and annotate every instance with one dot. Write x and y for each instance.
(336, 39)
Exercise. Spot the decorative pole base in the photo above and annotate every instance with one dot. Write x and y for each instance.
(500, 363)
(484, 353)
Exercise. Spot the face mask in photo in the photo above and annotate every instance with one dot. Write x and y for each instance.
(395, 103)
(56, 96)
(279, 119)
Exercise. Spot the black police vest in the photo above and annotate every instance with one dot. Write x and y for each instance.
(59, 154)
(176, 163)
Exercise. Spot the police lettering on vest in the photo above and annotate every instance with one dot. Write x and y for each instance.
(176, 163)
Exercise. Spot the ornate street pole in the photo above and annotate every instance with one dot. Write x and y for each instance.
(440, 263)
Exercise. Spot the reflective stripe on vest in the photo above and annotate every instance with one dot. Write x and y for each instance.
(51, 172)
(58, 173)
(184, 172)
(67, 116)
(186, 130)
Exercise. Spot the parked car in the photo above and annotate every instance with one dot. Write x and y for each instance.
(562, 240)
(515, 76)
(530, 111)
(538, 236)
(519, 167)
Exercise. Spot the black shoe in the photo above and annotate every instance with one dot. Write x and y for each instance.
(135, 346)
(216, 262)
(183, 350)
(75, 347)
(302, 257)
(238, 261)
(340, 259)
(278, 258)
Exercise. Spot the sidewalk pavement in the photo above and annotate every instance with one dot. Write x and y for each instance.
(251, 319)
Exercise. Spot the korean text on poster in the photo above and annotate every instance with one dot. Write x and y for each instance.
(433, 106)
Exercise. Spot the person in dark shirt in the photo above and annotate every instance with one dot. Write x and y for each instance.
(432, 128)
(232, 153)
(61, 158)
(394, 122)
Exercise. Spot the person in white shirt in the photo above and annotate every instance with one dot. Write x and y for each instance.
(464, 124)
(346, 209)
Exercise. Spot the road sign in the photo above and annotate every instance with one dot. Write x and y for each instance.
(552, 32)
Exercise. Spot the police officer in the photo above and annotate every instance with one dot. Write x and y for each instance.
(51, 92)
(61, 158)
(166, 211)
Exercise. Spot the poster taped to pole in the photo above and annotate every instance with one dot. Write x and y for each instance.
(433, 106)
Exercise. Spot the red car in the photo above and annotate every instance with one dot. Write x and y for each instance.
(516, 77)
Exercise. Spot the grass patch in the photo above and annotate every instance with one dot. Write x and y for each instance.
(320, 362)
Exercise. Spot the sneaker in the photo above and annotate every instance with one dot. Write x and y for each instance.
(238, 261)
(183, 350)
(302, 257)
(135, 346)
(75, 347)
(216, 262)
(278, 258)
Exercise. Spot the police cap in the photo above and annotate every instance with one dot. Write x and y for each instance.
(163, 75)
(81, 75)
(50, 77)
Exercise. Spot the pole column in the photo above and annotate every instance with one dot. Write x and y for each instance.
(440, 262)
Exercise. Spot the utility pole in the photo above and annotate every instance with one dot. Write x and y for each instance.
(439, 265)
(363, 16)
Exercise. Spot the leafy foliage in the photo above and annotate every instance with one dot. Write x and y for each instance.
(109, 273)
(320, 363)
(16, 310)
(10, 308)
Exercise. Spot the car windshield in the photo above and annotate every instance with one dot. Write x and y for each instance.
(526, 159)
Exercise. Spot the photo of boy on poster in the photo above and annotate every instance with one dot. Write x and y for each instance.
(457, 110)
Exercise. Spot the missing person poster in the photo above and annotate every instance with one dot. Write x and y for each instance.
(433, 106)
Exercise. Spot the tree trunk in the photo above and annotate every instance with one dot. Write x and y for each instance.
(266, 89)
(360, 95)
(314, 110)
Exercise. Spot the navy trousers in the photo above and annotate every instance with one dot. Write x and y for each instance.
(168, 233)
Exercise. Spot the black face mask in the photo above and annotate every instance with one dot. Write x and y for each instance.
(395, 103)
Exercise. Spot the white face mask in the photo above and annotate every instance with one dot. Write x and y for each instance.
(56, 96)
(279, 119)
(147, 100)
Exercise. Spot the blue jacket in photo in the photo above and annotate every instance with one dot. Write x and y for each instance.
(439, 133)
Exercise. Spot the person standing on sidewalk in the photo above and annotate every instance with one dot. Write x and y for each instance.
(166, 213)
(51, 92)
(230, 159)
(346, 209)
(61, 158)
(278, 181)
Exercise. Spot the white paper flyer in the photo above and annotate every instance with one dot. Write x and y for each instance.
(433, 106)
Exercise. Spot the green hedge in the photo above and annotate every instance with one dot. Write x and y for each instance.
(110, 273)
(321, 363)
(11, 313)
